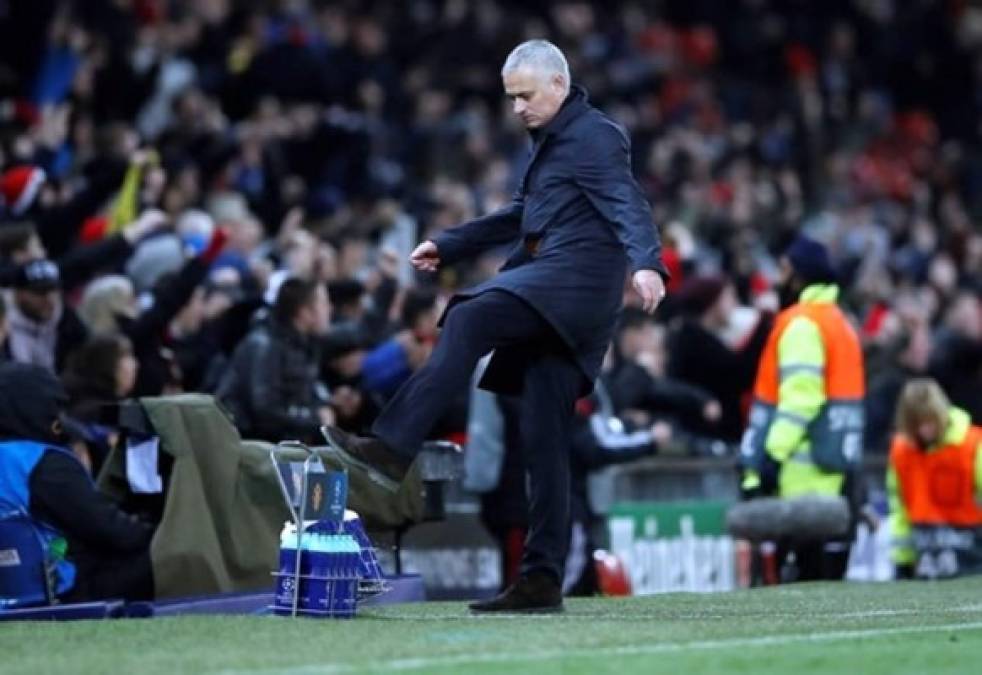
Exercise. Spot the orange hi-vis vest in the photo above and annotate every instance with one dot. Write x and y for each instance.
(843, 354)
(938, 486)
(836, 434)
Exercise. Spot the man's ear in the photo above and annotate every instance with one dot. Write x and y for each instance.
(559, 82)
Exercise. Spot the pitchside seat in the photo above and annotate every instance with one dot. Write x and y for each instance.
(25, 586)
(219, 532)
(24, 580)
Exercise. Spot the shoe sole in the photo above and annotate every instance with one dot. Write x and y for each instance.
(374, 473)
(393, 478)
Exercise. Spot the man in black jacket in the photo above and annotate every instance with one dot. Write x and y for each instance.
(700, 357)
(99, 551)
(579, 224)
(272, 386)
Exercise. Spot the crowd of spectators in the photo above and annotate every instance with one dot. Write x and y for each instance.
(221, 196)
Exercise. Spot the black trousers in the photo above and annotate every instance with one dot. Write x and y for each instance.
(551, 385)
(815, 561)
(104, 577)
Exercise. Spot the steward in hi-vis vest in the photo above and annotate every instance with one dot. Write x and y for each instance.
(806, 422)
(805, 434)
(51, 514)
(934, 483)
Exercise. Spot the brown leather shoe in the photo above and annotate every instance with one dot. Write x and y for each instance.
(533, 593)
(371, 451)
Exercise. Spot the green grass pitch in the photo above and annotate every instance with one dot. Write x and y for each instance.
(889, 629)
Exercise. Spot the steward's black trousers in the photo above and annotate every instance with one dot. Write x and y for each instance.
(551, 385)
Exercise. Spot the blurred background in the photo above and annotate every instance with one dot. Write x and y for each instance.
(178, 160)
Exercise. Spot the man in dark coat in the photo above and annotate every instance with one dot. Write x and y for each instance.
(580, 223)
(272, 387)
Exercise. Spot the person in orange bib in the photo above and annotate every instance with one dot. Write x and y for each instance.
(805, 433)
(934, 484)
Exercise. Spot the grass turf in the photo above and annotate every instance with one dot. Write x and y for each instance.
(809, 628)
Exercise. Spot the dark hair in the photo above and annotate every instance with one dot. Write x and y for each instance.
(14, 237)
(31, 398)
(293, 295)
(345, 292)
(700, 293)
(92, 367)
(633, 318)
(417, 302)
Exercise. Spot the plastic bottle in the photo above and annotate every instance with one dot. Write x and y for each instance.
(349, 589)
(286, 580)
(317, 585)
(333, 573)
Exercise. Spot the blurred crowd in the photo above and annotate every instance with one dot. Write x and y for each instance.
(221, 196)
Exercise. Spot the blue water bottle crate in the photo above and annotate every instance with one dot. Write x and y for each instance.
(330, 571)
(372, 581)
(324, 571)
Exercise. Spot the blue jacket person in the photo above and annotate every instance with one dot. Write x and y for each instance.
(579, 224)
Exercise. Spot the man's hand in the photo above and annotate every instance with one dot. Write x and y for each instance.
(425, 257)
(326, 416)
(712, 411)
(145, 157)
(388, 263)
(386, 268)
(661, 433)
(651, 288)
(149, 222)
(346, 402)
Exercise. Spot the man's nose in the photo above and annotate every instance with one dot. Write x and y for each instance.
(519, 106)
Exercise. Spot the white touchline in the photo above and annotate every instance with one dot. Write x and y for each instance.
(604, 616)
(593, 652)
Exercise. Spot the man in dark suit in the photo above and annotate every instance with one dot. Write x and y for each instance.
(579, 223)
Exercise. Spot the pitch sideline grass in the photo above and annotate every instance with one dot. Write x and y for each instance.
(810, 628)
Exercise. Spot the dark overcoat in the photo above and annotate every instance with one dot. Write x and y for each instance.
(580, 223)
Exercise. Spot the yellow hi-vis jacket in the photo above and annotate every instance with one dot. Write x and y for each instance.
(802, 416)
